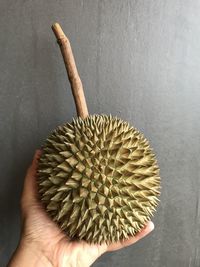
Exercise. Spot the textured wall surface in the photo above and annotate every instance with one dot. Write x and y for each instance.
(137, 59)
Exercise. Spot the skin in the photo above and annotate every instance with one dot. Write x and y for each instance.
(43, 244)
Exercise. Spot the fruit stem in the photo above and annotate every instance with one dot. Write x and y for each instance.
(73, 76)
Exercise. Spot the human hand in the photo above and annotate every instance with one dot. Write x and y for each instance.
(42, 242)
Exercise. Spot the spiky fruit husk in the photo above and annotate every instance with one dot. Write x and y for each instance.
(98, 179)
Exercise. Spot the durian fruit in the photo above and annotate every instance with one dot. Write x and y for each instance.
(98, 177)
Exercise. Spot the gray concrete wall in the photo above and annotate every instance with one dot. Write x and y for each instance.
(137, 59)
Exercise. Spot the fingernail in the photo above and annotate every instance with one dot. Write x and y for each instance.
(151, 226)
(38, 152)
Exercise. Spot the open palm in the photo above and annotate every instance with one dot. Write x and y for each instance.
(47, 243)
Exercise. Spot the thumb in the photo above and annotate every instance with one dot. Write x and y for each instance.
(29, 194)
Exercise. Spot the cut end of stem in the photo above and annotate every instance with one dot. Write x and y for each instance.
(58, 31)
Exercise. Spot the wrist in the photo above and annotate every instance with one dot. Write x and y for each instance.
(29, 255)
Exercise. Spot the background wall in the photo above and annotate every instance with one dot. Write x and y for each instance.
(137, 59)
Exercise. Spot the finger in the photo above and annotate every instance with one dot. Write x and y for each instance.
(29, 194)
(121, 244)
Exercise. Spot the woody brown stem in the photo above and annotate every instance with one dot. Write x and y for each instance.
(74, 79)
